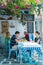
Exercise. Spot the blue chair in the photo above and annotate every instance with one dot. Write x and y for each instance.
(41, 43)
(31, 36)
(10, 50)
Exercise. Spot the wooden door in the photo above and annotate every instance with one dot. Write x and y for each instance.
(5, 26)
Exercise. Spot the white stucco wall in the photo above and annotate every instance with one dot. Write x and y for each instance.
(18, 27)
(0, 26)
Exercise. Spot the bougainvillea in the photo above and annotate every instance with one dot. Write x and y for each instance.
(13, 6)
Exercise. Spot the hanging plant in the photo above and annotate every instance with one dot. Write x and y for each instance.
(14, 7)
(37, 9)
(27, 6)
(10, 4)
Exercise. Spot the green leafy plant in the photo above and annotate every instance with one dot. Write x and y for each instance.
(14, 7)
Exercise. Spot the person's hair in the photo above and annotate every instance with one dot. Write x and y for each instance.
(7, 33)
(25, 32)
(1, 32)
(17, 32)
(37, 32)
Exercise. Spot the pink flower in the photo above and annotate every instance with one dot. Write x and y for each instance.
(17, 7)
(2, 6)
(28, 6)
(37, 1)
(8, 0)
(24, 0)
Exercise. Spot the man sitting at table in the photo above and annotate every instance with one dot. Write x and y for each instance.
(26, 35)
(14, 40)
(37, 37)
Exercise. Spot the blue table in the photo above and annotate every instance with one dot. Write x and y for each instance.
(30, 46)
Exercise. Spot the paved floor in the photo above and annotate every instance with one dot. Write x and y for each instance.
(4, 61)
(13, 63)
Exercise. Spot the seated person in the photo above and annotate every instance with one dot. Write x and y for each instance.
(7, 38)
(14, 40)
(37, 37)
(26, 36)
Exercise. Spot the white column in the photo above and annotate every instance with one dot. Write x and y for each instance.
(42, 24)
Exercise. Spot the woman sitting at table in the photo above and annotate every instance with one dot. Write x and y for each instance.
(37, 37)
(26, 36)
